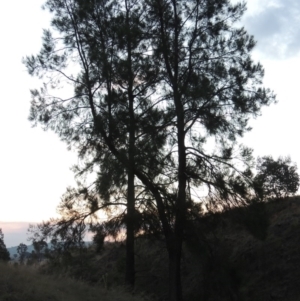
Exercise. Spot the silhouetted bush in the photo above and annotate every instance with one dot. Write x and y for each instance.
(4, 254)
(276, 178)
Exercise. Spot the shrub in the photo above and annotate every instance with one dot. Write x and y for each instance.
(276, 178)
(4, 254)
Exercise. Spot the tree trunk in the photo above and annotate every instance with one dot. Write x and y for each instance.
(130, 225)
(130, 265)
(175, 289)
(130, 262)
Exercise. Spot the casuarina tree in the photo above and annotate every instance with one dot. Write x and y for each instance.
(164, 88)
(111, 119)
(212, 87)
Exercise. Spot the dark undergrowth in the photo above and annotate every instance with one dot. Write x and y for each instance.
(26, 283)
(243, 254)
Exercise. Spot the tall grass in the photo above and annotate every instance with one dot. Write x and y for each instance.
(23, 283)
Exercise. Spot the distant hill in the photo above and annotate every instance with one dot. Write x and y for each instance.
(13, 250)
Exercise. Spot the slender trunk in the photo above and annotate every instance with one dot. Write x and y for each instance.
(130, 262)
(180, 206)
(130, 225)
(130, 265)
(175, 289)
(172, 72)
(130, 220)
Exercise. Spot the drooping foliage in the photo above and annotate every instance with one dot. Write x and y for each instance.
(161, 92)
(111, 111)
(212, 88)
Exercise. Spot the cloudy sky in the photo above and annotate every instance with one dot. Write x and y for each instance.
(35, 165)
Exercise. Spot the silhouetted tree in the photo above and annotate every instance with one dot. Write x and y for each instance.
(22, 250)
(111, 108)
(276, 178)
(157, 125)
(4, 254)
(212, 88)
(39, 248)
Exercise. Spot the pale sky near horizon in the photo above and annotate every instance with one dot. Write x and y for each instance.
(35, 165)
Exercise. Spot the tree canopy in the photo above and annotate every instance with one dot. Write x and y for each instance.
(276, 178)
(161, 92)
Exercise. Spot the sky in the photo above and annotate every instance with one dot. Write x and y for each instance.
(35, 165)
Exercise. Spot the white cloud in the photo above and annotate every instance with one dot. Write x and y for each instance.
(276, 27)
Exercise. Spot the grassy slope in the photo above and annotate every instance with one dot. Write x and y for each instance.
(271, 268)
(21, 283)
(237, 265)
(246, 268)
(231, 265)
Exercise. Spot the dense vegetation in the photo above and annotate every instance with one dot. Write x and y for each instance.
(243, 257)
